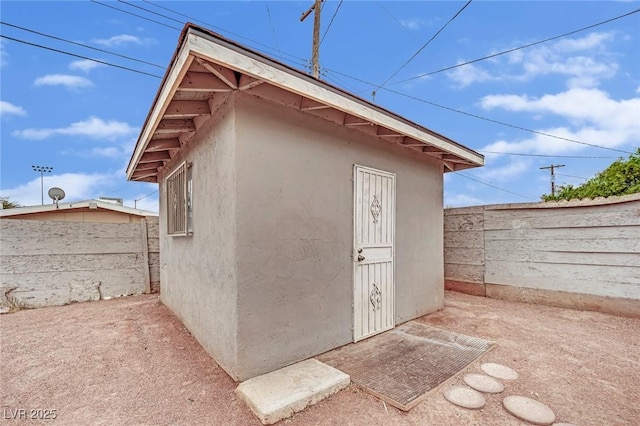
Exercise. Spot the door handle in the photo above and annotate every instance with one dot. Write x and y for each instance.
(360, 258)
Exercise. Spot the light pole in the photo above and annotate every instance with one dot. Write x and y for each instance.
(42, 170)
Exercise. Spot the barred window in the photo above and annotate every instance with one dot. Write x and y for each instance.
(179, 203)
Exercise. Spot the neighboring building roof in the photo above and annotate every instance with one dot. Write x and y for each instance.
(206, 67)
(91, 204)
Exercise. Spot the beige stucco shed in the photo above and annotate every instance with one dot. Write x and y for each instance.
(294, 217)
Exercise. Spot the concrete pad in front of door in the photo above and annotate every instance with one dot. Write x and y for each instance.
(277, 395)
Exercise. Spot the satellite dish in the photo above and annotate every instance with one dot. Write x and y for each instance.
(56, 194)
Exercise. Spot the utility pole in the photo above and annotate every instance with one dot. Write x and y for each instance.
(42, 170)
(552, 168)
(315, 49)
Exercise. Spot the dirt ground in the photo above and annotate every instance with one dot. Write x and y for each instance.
(130, 361)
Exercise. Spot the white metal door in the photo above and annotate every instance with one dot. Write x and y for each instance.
(373, 251)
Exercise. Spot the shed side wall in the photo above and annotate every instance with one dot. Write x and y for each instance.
(295, 233)
(198, 272)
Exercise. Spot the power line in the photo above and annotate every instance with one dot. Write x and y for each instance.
(404, 27)
(299, 60)
(519, 48)
(135, 202)
(339, 83)
(466, 176)
(273, 29)
(80, 44)
(135, 14)
(337, 72)
(151, 11)
(117, 190)
(79, 56)
(571, 176)
(177, 13)
(474, 115)
(331, 22)
(145, 196)
(425, 45)
(397, 20)
(502, 123)
(542, 155)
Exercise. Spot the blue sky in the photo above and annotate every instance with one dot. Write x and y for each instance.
(82, 118)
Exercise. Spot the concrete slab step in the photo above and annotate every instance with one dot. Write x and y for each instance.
(277, 395)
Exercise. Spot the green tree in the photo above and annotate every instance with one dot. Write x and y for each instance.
(8, 204)
(622, 177)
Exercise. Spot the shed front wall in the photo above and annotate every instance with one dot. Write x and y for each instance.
(198, 272)
(295, 232)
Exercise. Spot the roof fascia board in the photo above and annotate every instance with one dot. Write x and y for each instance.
(226, 54)
(171, 82)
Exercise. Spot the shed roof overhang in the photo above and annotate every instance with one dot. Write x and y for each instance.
(206, 68)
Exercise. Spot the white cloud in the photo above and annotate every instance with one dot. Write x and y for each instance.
(461, 200)
(108, 151)
(7, 108)
(112, 152)
(84, 186)
(77, 186)
(592, 117)
(599, 119)
(584, 61)
(589, 42)
(583, 71)
(123, 39)
(513, 168)
(470, 74)
(413, 23)
(84, 65)
(93, 127)
(514, 57)
(149, 202)
(69, 81)
(3, 54)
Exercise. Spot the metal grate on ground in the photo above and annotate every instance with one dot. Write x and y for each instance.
(403, 365)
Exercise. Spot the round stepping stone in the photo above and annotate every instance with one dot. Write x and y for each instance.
(483, 383)
(464, 397)
(529, 410)
(499, 371)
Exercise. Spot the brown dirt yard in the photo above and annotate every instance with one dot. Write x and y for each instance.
(130, 361)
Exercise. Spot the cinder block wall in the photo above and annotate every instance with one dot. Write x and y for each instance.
(580, 254)
(464, 255)
(153, 244)
(45, 263)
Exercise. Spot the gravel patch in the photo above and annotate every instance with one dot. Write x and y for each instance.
(130, 361)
